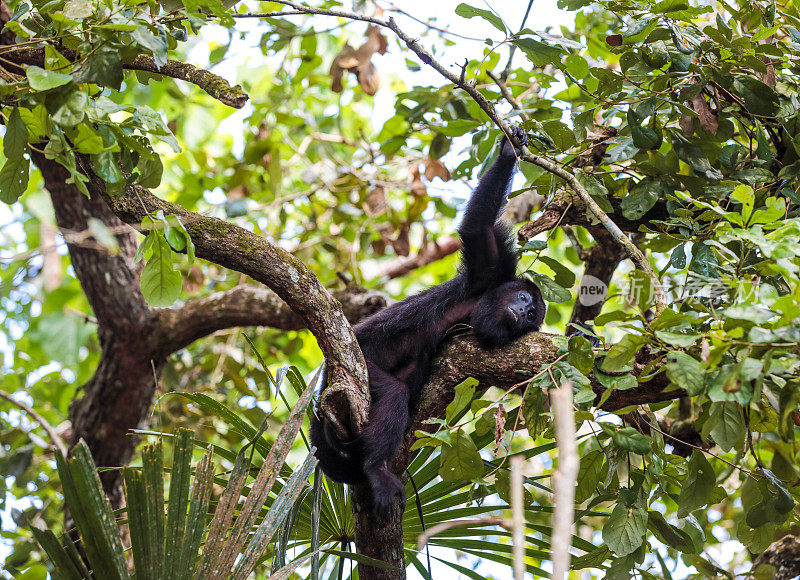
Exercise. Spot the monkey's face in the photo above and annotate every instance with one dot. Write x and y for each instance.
(508, 312)
(520, 310)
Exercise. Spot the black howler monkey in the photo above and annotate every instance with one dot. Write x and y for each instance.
(399, 342)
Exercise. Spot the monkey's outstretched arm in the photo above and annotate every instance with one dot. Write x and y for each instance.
(487, 257)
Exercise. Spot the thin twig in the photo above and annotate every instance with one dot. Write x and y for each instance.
(425, 536)
(508, 96)
(564, 479)
(513, 49)
(517, 518)
(706, 451)
(55, 438)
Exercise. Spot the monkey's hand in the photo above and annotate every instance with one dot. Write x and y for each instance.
(507, 149)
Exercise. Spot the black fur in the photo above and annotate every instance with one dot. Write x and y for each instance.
(399, 342)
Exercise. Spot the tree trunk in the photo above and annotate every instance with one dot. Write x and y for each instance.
(118, 397)
(376, 537)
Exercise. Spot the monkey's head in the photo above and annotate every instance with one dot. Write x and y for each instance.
(507, 312)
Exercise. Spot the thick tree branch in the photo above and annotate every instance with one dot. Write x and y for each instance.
(511, 365)
(237, 249)
(214, 85)
(247, 306)
(429, 253)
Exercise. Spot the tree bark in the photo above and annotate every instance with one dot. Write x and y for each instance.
(118, 396)
(601, 263)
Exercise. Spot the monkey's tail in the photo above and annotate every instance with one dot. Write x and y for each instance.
(342, 461)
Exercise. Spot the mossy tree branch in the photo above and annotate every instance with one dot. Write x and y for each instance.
(237, 249)
(214, 85)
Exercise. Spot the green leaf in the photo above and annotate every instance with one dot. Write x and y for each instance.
(65, 568)
(15, 140)
(644, 195)
(645, 138)
(93, 516)
(624, 529)
(563, 137)
(681, 339)
(73, 109)
(106, 163)
(667, 533)
(86, 140)
(156, 43)
(537, 52)
(551, 291)
(13, 179)
(581, 355)
(704, 261)
(460, 460)
(178, 500)
(40, 79)
(698, 485)
(196, 518)
(776, 208)
(620, 382)
(532, 409)
(464, 393)
(534, 246)
(467, 11)
(150, 171)
(102, 67)
(678, 257)
(153, 472)
(160, 282)
(589, 474)
(693, 155)
(621, 354)
(728, 424)
(630, 439)
(759, 98)
(577, 66)
(564, 276)
(35, 120)
(745, 196)
(685, 373)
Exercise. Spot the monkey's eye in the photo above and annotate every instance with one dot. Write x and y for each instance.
(530, 314)
(523, 296)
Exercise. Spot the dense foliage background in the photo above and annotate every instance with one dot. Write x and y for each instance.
(678, 119)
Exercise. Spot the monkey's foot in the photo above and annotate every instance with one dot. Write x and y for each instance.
(385, 488)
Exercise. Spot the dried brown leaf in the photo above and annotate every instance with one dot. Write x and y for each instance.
(193, 282)
(402, 243)
(686, 123)
(499, 427)
(375, 202)
(368, 78)
(417, 188)
(435, 168)
(708, 119)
